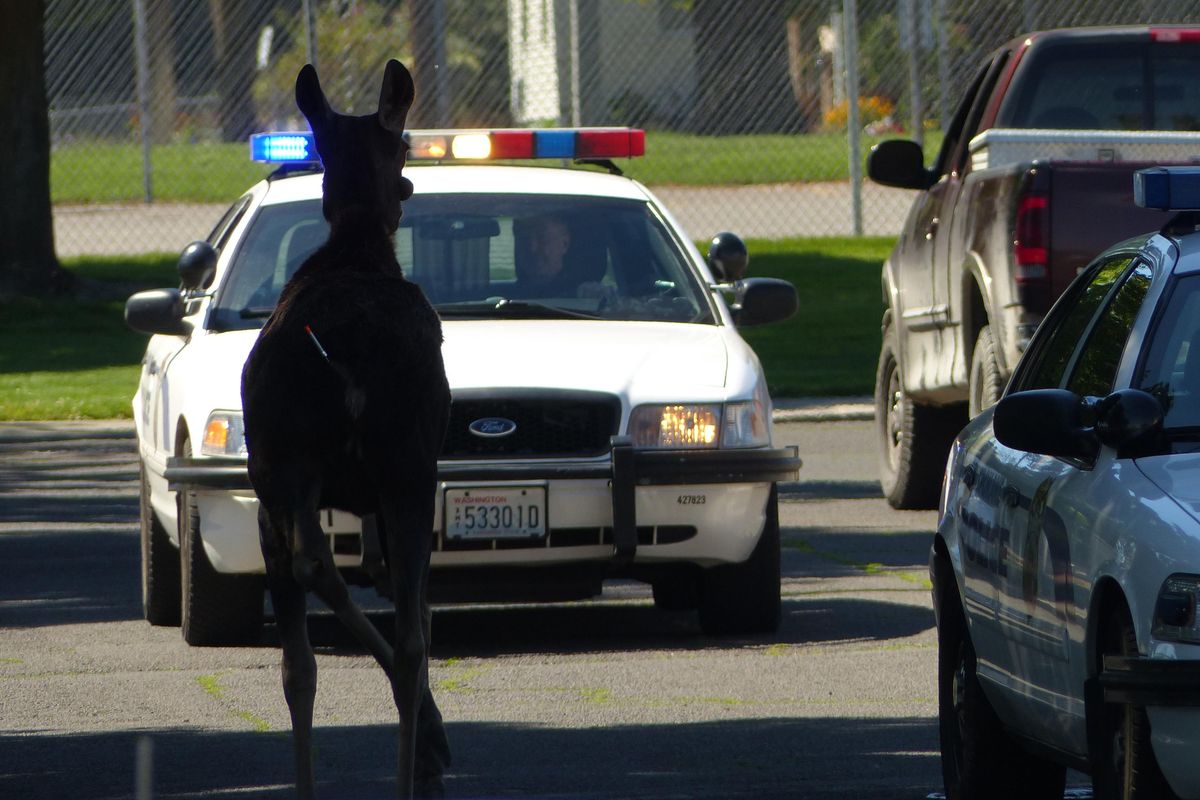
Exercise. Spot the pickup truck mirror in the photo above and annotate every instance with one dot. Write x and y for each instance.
(197, 265)
(900, 163)
(728, 257)
(1056, 422)
(758, 301)
(157, 311)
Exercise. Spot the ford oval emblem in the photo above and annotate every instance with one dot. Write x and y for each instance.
(492, 427)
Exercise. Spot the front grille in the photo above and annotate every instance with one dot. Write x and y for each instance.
(548, 424)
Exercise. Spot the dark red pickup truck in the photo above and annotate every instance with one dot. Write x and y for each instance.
(1033, 179)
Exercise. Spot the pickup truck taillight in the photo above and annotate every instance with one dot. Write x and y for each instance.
(1031, 252)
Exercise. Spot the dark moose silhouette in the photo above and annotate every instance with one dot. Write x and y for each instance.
(346, 402)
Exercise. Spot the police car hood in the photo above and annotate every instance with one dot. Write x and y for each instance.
(1176, 475)
(642, 361)
(665, 360)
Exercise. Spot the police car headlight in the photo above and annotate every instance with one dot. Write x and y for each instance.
(748, 423)
(1175, 611)
(676, 426)
(224, 435)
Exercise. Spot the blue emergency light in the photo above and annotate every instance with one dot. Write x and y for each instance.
(1167, 188)
(284, 148)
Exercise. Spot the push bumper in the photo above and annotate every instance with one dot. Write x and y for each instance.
(625, 468)
(1150, 682)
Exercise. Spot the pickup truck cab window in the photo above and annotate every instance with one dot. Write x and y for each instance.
(1107, 86)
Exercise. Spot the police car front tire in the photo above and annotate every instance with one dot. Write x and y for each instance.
(744, 598)
(217, 609)
(160, 564)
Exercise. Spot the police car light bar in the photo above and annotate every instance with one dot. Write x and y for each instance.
(294, 147)
(472, 145)
(518, 143)
(1167, 188)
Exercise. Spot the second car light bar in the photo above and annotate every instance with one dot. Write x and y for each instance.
(473, 145)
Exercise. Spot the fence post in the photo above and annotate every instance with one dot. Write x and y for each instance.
(310, 31)
(142, 54)
(853, 124)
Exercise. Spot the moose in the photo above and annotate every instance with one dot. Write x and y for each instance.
(346, 404)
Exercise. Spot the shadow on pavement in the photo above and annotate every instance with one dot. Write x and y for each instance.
(765, 758)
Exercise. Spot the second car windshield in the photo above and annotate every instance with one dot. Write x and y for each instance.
(1171, 367)
(491, 255)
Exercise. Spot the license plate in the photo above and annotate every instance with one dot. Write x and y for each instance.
(496, 512)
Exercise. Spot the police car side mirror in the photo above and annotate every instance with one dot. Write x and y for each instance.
(1046, 421)
(1130, 421)
(197, 265)
(728, 257)
(758, 301)
(157, 311)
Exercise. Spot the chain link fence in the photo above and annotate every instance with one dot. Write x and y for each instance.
(745, 103)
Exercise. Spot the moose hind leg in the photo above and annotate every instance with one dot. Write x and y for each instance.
(408, 527)
(299, 664)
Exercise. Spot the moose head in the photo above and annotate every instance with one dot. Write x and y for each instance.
(363, 156)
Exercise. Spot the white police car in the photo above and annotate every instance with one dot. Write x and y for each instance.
(1066, 565)
(607, 418)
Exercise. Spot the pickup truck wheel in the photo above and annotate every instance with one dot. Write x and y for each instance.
(745, 598)
(913, 439)
(1125, 768)
(160, 563)
(986, 382)
(217, 609)
(979, 758)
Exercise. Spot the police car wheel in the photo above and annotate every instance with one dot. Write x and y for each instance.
(217, 609)
(913, 439)
(744, 598)
(1126, 768)
(160, 564)
(979, 759)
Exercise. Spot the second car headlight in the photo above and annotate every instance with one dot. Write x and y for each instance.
(1175, 611)
(224, 435)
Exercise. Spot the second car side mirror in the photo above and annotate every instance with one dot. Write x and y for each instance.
(900, 163)
(1046, 421)
(1129, 420)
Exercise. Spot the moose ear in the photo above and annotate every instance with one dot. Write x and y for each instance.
(396, 97)
(310, 99)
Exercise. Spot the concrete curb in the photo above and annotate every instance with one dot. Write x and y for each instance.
(823, 409)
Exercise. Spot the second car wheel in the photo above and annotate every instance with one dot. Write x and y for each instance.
(913, 439)
(979, 758)
(217, 609)
(745, 598)
(1125, 767)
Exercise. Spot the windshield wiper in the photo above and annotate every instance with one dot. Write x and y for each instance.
(502, 306)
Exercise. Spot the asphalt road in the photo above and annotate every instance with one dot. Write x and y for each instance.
(604, 699)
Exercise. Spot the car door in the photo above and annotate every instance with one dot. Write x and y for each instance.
(1050, 508)
(923, 308)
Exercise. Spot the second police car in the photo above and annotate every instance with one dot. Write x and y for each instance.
(1066, 565)
(607, 419)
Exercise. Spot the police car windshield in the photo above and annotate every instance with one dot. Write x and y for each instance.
(1170, 369)
(484, 256)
